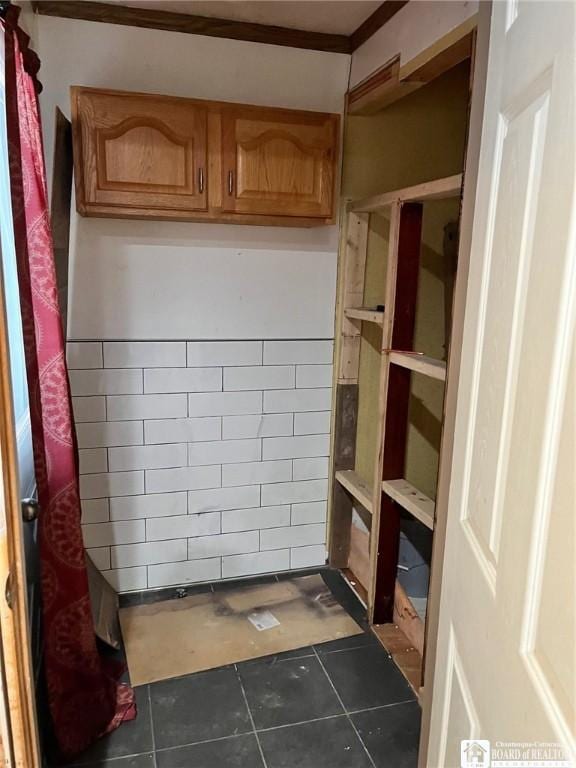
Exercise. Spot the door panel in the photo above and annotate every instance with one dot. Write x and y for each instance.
(505, 668)
(278, 162)
(141, 151)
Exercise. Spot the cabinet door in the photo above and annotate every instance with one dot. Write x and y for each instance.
(278, 162)
(139, 151)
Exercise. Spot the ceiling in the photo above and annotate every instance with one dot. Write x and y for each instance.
(332, 16)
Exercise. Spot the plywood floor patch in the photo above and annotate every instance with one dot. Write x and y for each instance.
(200, 632)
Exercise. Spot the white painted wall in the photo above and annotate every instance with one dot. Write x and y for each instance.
(28, 19)
(413, 29)
(143, 280)
(172, 282)
(150, 280)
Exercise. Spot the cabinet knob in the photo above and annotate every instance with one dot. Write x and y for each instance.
(201, 180)
(230, 182)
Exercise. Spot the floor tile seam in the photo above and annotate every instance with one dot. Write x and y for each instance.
(153, 734)
(256, 731)
(343, 650)
(196, 743)
(331, 717)
(264, 763)
(110, 760)
(353, 725)
(301, 722)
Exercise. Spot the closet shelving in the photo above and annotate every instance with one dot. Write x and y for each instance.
(390, 492)
(356, 486)
(365, 314)
(436, 369)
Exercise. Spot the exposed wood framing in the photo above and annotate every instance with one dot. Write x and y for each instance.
(365, 315)
(407, 619)
(344, 454)
(389, 492)
(428, 366)
(450, 186)
(353, 295)
(357, 487)
(359, 561)
(407, 658)
(411, 499)
(402, 288)
(395, 80)
(356, 585)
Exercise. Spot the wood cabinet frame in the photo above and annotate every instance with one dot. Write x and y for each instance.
(217, 166)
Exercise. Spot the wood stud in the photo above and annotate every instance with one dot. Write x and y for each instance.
(402, 291)
(353, 295)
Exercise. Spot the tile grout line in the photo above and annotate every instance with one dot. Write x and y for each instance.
(332, 717)
(372, 763)
(194, 743)
(279, 727)
(254, 731)
(152, 728)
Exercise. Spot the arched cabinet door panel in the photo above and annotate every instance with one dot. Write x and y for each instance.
(278, 162)
(139, 151)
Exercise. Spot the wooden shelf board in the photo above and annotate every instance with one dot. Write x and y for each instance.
(356, 487)
(366, 315)
(428, 366)
(411, 499)
(450, 186)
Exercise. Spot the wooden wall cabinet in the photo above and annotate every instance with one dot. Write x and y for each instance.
(278, 163)
(161, 157)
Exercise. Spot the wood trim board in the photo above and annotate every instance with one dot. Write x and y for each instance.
(394, 79)
(375, 21)
(189, 24)
(15, 655)
(148, 18)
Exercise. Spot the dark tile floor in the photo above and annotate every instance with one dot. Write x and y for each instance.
(342, 704)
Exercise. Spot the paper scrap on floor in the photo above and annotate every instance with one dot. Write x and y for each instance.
(200, 632)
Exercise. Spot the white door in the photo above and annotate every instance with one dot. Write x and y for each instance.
(505, 667)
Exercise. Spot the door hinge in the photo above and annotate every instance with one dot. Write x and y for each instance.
(8, 591)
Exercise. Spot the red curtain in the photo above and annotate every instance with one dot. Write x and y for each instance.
(84, 696)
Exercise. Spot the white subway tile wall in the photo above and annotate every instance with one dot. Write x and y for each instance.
(202, 460)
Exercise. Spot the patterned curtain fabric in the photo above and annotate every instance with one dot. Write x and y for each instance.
(84, 696)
